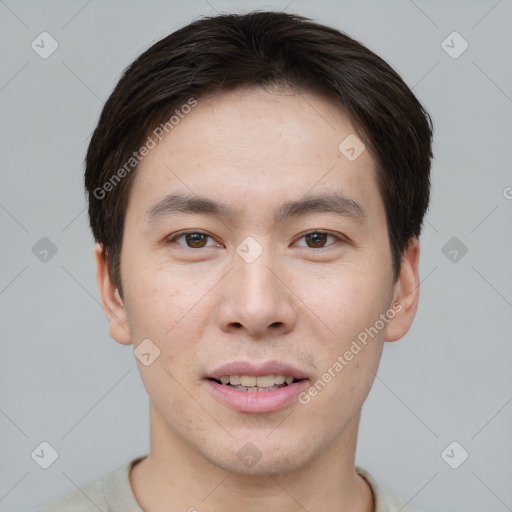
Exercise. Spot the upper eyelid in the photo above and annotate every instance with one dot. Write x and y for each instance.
(174, 237)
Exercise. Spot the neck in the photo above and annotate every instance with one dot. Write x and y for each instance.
(175, 475)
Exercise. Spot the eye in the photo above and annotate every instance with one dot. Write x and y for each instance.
(317, 239)
(198, 240)
(193, 239)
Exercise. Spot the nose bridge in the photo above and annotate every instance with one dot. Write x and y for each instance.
(256, 298)
(256, 278)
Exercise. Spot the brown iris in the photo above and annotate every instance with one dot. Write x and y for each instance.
(196, 240)
(318, 239)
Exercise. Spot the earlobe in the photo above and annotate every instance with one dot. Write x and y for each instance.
(113, 305)
(406, 293)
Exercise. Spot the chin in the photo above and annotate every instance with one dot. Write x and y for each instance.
(260, 457)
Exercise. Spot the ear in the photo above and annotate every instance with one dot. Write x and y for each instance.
(112, 303)
(406, 293)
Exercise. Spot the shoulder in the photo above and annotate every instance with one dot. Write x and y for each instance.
(111, 494)
(385, 500)
(90, 498)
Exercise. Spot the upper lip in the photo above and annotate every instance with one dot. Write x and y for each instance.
(257, 369)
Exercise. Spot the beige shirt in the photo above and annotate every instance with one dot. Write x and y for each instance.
(114, 494)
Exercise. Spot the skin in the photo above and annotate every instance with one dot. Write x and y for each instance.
(205, 306)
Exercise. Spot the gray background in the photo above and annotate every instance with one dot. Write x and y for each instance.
(64, 381)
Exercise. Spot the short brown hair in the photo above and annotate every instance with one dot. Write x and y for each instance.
(225, 52)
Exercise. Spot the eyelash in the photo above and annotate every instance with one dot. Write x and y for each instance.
(183, 233)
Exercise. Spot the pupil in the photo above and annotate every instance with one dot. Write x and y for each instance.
(318, 239)
(195, 238)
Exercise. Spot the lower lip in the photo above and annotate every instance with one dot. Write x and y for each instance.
(257, 401)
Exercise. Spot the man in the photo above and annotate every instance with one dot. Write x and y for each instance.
(257, 185)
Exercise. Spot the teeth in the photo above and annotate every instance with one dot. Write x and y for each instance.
(242, 388)
(265, 381)
(248, 381)
(260, 383)
(280, 379)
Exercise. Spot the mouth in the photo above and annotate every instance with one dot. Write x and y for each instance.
(256, 388)
(253, 383)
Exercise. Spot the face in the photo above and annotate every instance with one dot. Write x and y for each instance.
(254, 250)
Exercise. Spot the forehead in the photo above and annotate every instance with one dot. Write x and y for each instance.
(253, 147)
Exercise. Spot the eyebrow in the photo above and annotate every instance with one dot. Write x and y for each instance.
(332, 202)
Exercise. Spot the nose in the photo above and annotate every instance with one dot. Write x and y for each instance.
(257, 298)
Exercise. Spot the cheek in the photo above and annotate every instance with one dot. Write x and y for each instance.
(158, 298)
(350, 303)
(346, 301)
(165, 307)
